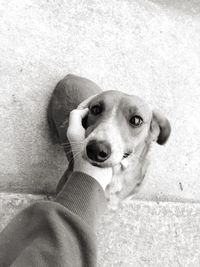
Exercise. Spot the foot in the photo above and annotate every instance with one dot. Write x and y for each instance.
(67, 95)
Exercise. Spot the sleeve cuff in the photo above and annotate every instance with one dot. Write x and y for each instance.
(84, 196)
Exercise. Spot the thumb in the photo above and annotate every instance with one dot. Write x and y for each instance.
(75, 129)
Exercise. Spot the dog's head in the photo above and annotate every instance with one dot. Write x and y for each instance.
(120, 128)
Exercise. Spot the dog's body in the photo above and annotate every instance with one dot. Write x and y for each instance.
(119, 131)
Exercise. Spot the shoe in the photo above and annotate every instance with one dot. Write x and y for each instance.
(67, 95)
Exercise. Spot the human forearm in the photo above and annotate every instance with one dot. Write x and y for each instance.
(59, 233)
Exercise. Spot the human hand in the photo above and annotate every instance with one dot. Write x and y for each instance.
(76, 137)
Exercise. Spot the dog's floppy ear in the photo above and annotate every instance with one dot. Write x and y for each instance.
(160, 127)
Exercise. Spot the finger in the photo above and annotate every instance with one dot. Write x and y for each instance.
(75, 129)
(76, 116)
(85, 103)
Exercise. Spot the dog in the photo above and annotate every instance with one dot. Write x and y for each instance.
(120, 129)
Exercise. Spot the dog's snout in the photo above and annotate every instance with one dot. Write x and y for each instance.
(98, 150)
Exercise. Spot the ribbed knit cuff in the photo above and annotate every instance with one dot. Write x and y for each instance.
(84, 196)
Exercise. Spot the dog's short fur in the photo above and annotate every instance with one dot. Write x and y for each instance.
(119, 123)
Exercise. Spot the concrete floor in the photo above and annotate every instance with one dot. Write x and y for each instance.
(147, 48)
(139, 234)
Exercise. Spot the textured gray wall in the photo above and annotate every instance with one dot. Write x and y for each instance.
(147, 48)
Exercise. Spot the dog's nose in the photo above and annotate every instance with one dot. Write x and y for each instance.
(98, 150)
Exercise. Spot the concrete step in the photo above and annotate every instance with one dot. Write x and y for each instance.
(140, 233)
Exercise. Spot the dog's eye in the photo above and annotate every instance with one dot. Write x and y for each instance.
(96, 109)
(136, 121)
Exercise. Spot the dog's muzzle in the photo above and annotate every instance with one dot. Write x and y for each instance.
(98, 151)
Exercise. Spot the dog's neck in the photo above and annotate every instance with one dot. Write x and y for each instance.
(135, 174)
(142, 151)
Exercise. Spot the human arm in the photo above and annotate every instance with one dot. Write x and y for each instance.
(59, 233)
